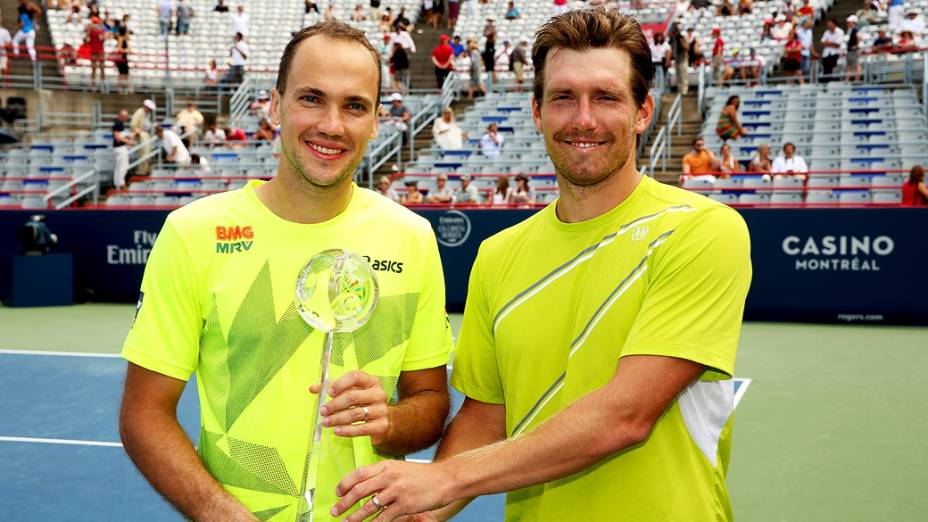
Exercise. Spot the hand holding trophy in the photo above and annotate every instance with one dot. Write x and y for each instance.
(336, 292)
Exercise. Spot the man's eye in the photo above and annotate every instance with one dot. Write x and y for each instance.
(310, 98)
(356, 107)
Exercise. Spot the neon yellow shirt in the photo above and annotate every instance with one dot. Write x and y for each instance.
(551, 309)
(218, 299)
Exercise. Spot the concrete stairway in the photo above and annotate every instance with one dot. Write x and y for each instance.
(23, 66)
(681, 143)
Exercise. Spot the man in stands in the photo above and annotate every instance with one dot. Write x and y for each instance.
(165, 11)
(912, 23)
(184, 16)
(141, 125)
(6, 41)
(442, 193)
(122, 140)
(853, 70)
(221, 7)
(190, 122)
(175, 152)
(718, 56)
(700, 160)
(239, 53)
(443, 60)
(468, 193)
(832, 42)
(27, 13)
(519, 59)
(788, 163)
(240, 22)
(214, 134)
(599, 335)
(217, 298)
(492, 141)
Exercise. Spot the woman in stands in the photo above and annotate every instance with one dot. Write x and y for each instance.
(447, 133)
(792, 58)
(914, 191)
(761, 162)
(122, 58)
(522, 194)
(502, 192)
(728, 127)
(727, 163)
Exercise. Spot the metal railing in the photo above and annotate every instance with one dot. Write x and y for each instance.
(241, 101)
(663, 143)
(92, 188)
(377, 156)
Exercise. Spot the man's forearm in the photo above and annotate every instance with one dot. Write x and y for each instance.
(416, 422)
(161, 450)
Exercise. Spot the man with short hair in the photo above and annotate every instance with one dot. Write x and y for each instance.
(700, 160)
(190, 121)
(492, 141)
(122, 139)
(789, 163)
(399, 114)
(27, 13)
(832, 41)
(468, 193)
(175, 152)
(853, 71)
(241, 23)
(218, 298)
(599, 336)
(442, 193)
(184, 15)
(912, 23)
(239, 56)
(519, 59)
(165, 9)
(142, 125)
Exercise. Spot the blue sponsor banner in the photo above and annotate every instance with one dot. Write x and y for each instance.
(832, 265)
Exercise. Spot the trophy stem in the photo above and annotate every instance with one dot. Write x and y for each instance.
(309, 488)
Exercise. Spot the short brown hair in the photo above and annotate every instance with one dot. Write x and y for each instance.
(333, 30)
(595, 28)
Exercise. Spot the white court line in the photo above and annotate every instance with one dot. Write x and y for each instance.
(741, 390)
(69, 442)
(62, 354)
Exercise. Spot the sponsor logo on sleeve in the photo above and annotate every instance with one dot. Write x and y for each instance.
(234, 239)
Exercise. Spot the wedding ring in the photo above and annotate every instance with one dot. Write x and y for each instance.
(376, 503)
(365, 412)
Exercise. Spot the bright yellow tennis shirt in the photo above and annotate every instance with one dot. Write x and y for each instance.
(218, 299)
(551, 309)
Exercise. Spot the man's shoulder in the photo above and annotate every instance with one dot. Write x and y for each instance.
(399, 218)
(208, 209)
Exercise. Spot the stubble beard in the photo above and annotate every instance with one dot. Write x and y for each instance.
(582, 175)
(303, 174)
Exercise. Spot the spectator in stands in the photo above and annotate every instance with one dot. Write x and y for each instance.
(781, 28)
(412, 196)
(895, 14)
(761, 161)
(265, 131)
(122, 139)
(792, 59)
(700, 160)
(468, 193)
(475, 83)
(853, 70)
(489, 51)
(697, 5)
(401, 35)
(560, 7)
(398, 114)
(198, 165)
(402, 23)
(385, 189)
(906, 43)
(745, 7)
(221, 7)
(385, 24)
(447, 133)
(399, 65)
(310, 6)
(682, 6)
(680, 48)
(725, 8)
(806, 12)
(174, 149)
(357, 15)
(236, 136)
(211, 75)
(442, 193)
(239, 57)
(184, 15)
(502, 56)
(443, 60)
(512, 12)
(457, 46)
(492, 141)
(165, 11)
(789, 164)
(501, 192)
(751, 68)
(718, 55)
(27, 12)
(94, 36)
(660, 57)
(914, 191)
(804, 35)
(241, 23)
(374, 10)
(6, 41)
(329, 14)
(122, 58)
(883, 42)
(832, 42)
(141, 125)
(727, 163)
(214, 135)
(912, 23)
(728, 127)
(261, 107)
(522, 194)
(190, 122)
(694, 45)
(519, 60)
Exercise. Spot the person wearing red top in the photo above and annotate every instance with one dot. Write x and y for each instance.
(718, 55)
(236, 135)
(443, 58)
(914, 191)
(95, 36)
(792, 57)
(806, 11)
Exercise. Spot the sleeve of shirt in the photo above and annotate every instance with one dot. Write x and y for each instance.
(697, 283)
(476, 373)
(430, 342)
(165, 336)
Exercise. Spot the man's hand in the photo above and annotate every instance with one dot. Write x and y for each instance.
(358, 407)
(401, 488)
